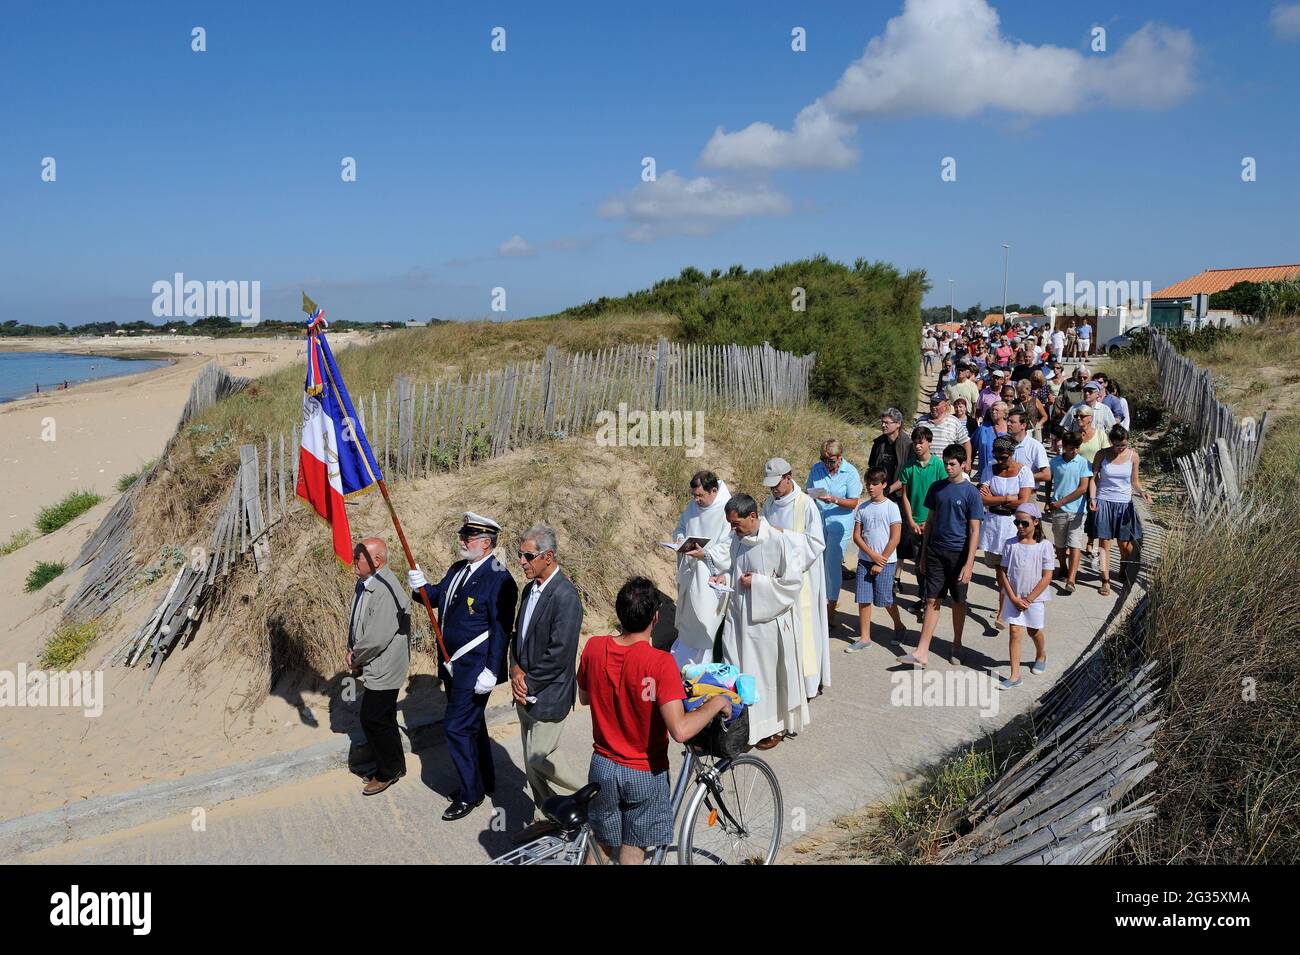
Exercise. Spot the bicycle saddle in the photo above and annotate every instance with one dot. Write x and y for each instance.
(570, 812)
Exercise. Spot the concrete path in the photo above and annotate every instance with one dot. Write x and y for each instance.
(871, 731)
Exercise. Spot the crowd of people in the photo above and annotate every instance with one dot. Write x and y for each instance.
(1014, 459)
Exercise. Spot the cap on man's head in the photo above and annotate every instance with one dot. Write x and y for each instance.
(1092, 386)
(937, 398)
(774, 470)
(476, 524)
(999, 373)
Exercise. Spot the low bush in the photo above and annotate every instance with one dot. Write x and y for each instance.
(51, 518)
(19, 539)
(68, 644)
(42, 574)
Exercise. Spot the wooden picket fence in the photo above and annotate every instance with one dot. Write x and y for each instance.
(1216, 473)
(418, 431)
(1066, 801)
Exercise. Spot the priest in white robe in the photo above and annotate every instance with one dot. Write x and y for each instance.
(763, 567)
(699, 606)
(794, 512)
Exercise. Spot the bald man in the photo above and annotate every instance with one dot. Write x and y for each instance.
(379, 653)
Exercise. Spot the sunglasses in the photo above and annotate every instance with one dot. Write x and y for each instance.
(527, 557)
(1024, 523)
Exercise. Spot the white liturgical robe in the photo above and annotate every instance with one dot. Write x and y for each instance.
(699, 606)
(798, 513)
(759, 635)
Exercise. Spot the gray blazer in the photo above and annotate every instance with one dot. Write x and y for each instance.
(549, 655)
(379, 631)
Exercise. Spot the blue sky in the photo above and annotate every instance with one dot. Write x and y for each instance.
(522, 169)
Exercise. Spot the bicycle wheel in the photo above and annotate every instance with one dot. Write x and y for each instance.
(740, 824)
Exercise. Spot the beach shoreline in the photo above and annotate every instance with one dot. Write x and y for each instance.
(165, 357)
(87, 437)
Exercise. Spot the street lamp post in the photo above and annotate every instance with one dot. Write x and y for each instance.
(1006, 264)
(950, 301)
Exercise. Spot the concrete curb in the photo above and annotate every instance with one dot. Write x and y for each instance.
(104, 814)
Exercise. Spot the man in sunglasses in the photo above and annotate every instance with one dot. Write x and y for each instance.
(544, 671)
(476, 609)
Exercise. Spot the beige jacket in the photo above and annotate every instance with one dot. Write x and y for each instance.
(379, 631)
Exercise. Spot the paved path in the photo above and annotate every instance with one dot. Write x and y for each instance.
(858, 749)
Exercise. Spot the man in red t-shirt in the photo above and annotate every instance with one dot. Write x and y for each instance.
(635, 693)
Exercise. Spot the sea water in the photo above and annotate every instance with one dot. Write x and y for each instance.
(21, 372)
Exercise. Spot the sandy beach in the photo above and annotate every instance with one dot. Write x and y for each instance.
(107, 428)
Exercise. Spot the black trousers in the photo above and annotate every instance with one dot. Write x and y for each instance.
(379, 723)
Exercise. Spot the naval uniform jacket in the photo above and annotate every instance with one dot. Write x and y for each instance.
(484, 602)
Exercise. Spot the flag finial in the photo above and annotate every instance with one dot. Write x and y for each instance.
(308, 305)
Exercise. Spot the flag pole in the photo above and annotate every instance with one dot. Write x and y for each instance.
(410, 562)
(397, 524)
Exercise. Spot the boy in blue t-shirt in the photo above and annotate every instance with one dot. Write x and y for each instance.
(1071, 475)
(948, 547)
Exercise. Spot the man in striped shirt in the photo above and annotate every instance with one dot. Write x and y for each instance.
(946, 428)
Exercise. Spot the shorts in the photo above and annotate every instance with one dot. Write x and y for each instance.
(633, 807)
(1067, 529)
(942, 570)
(878, 588)
(909, 544)
(1030, 618)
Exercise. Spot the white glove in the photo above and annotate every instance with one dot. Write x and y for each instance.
(416, 578)
(486, 682)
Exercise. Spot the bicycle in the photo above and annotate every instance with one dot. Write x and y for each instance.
(736, 803)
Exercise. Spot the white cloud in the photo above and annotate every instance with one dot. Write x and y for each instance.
(1285, 20)
(816, 142)
(950, 58)
(516, 247)
(675, 205)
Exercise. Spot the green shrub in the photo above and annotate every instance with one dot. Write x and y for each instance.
(19, 539)
(51, 518)
(1263, 300)
(864, 323)
(42, 574)
(68, 644)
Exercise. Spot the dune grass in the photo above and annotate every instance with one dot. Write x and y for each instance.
(125, 482)
(51, 518)
(914, 826)
(18, 539)
(1225, 628)
(42, 574)
(68, 644)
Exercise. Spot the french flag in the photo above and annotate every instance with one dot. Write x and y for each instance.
(334, 461)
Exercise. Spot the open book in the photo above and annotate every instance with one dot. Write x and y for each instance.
(688, 544)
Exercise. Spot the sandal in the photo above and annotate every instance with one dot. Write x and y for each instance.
(1105, 587)
(768, 743)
